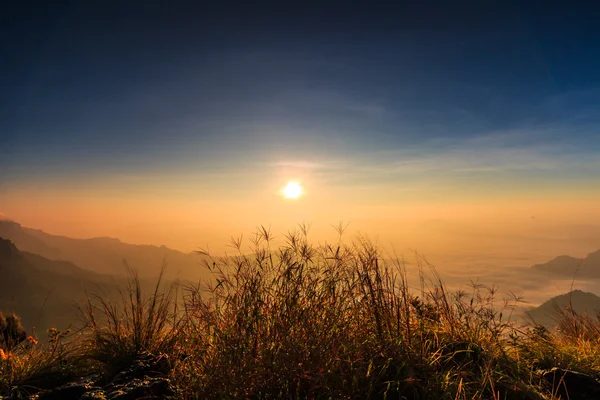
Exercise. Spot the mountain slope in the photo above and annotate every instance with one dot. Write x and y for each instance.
(43, 292)
(588, 267)
(582, 303)
(104, 255)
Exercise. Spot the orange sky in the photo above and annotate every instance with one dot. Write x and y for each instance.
(186, 220)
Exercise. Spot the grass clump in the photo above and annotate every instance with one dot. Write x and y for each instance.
(304, 321)
(119, 332)
(115, 334)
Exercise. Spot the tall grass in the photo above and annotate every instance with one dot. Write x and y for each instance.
(336, 321)
(121, 331)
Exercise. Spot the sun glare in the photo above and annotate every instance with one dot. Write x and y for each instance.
(292, 190)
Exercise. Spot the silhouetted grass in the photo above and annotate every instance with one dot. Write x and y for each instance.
(304, 321)
(119, 332)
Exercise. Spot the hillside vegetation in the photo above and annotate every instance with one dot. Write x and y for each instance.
(308, 321)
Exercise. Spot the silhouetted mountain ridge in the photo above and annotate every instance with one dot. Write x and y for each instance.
(564, 265)
(104, 254)
(43, 292)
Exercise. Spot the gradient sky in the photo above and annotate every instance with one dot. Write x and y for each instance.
(177, 124)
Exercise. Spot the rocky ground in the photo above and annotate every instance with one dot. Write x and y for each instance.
(145, 379)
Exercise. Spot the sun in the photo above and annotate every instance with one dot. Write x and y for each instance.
(292, 190)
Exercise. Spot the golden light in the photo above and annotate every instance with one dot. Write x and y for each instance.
(292, 190)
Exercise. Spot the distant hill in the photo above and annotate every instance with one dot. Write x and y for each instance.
(43, 292)
(104, 255)
(588, 267)
(582, 302)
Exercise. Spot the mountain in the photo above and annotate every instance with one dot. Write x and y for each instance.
(43, 292)
(588, 267)
(582, 303)
(104, 255)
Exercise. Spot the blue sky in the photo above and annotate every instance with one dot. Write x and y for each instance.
(498, 97)
(145, 83)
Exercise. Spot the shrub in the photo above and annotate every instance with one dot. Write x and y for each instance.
(11, 332)
(31, 366)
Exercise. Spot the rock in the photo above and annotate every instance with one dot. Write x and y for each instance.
(70, 391)
(73, 390)
(572, 385)
(145, 379)
(146, 365)
(97, 394)
(149, 388)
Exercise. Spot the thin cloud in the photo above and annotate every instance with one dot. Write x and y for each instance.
(300, 164)
(492, 155)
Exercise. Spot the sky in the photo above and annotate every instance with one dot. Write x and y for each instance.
(178, 123)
